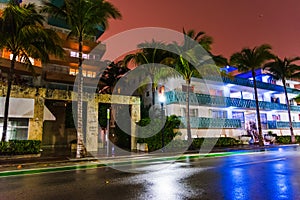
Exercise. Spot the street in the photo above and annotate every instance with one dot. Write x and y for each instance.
(258, 175)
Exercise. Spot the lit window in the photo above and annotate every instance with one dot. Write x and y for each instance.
(22, 60)
(73, 72)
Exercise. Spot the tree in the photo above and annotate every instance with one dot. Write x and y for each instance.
(191, 49)
(250, 60)
(110, 76)
(150, 53)
(282, 70)
(82, 17)
(22, 33)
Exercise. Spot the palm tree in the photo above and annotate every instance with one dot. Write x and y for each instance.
(250, 60)
(110, 76)
(190, 49)
(22, 33)
(150, 53)
(82, 17)
(282, 70)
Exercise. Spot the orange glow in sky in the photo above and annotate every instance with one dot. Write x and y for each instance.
(233, 24)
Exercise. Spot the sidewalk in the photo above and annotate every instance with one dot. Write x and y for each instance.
(53, 157)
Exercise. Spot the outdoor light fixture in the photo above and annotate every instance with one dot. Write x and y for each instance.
(162, 100)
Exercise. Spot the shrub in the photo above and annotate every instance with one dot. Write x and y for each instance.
(221, 142)
(283, 139)
(20, 147)
(286, 139)
(155, 142)
(297, 138)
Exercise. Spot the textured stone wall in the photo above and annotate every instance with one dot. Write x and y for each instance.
(92, 99)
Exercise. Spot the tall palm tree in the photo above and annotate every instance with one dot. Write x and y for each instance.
(110, 76)
(22, 33)
(82, 17)
(250, 60)
(190, 49)
(150, 53)
(282, 70)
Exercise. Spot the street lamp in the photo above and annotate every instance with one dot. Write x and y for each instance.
(107, 131)
(162, 100)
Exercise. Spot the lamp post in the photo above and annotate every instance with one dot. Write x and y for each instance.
(162, 100)
(107, 131)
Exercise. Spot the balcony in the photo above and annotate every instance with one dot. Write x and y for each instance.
(203, 122)
(282, 125)
(249, 83)
(217, 101)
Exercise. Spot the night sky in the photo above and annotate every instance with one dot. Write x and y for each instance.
(233, 24)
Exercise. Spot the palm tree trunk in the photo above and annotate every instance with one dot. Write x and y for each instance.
(293, 139)
(153, 94)
(188, 124)
(6, 106)
(260, 136)
(80, 147)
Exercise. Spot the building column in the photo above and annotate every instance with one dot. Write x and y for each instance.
(35, 129)
(135, 117)
(92, 124)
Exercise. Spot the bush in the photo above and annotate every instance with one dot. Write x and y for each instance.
(221, 142)
(155, 142)
(286, 139)
(297, 138)
(20, 147)
(283, 139)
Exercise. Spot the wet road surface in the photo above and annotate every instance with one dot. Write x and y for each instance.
(261, 175)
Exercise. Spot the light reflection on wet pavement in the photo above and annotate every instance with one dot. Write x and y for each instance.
(263, 175)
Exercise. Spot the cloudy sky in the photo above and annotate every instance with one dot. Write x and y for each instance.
(233, 24)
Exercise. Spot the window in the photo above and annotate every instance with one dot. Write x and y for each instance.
(73, 72)
(218, 114)
(17, 128)
(276, 117)
(22, 59)
(238, 115)
(193, 112)
(76, 55)
(184, 88)
(85, 73)
(216, 92)
(275, 100)
(263, 118)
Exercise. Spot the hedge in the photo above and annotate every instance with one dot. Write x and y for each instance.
(286, 139)
(217, 142)
(20, 147)
(196, 144)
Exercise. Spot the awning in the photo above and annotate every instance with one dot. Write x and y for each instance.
(18, 107)
(48, 115)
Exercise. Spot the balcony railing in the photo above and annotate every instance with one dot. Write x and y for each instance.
(249, 83)
(203, 122)
(217, 101)
(282, 125)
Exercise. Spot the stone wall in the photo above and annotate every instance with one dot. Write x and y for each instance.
(92, 99)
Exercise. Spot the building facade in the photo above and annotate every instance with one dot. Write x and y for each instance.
(225, 106)
(41, 105)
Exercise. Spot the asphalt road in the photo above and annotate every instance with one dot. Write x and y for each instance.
(261, 175)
